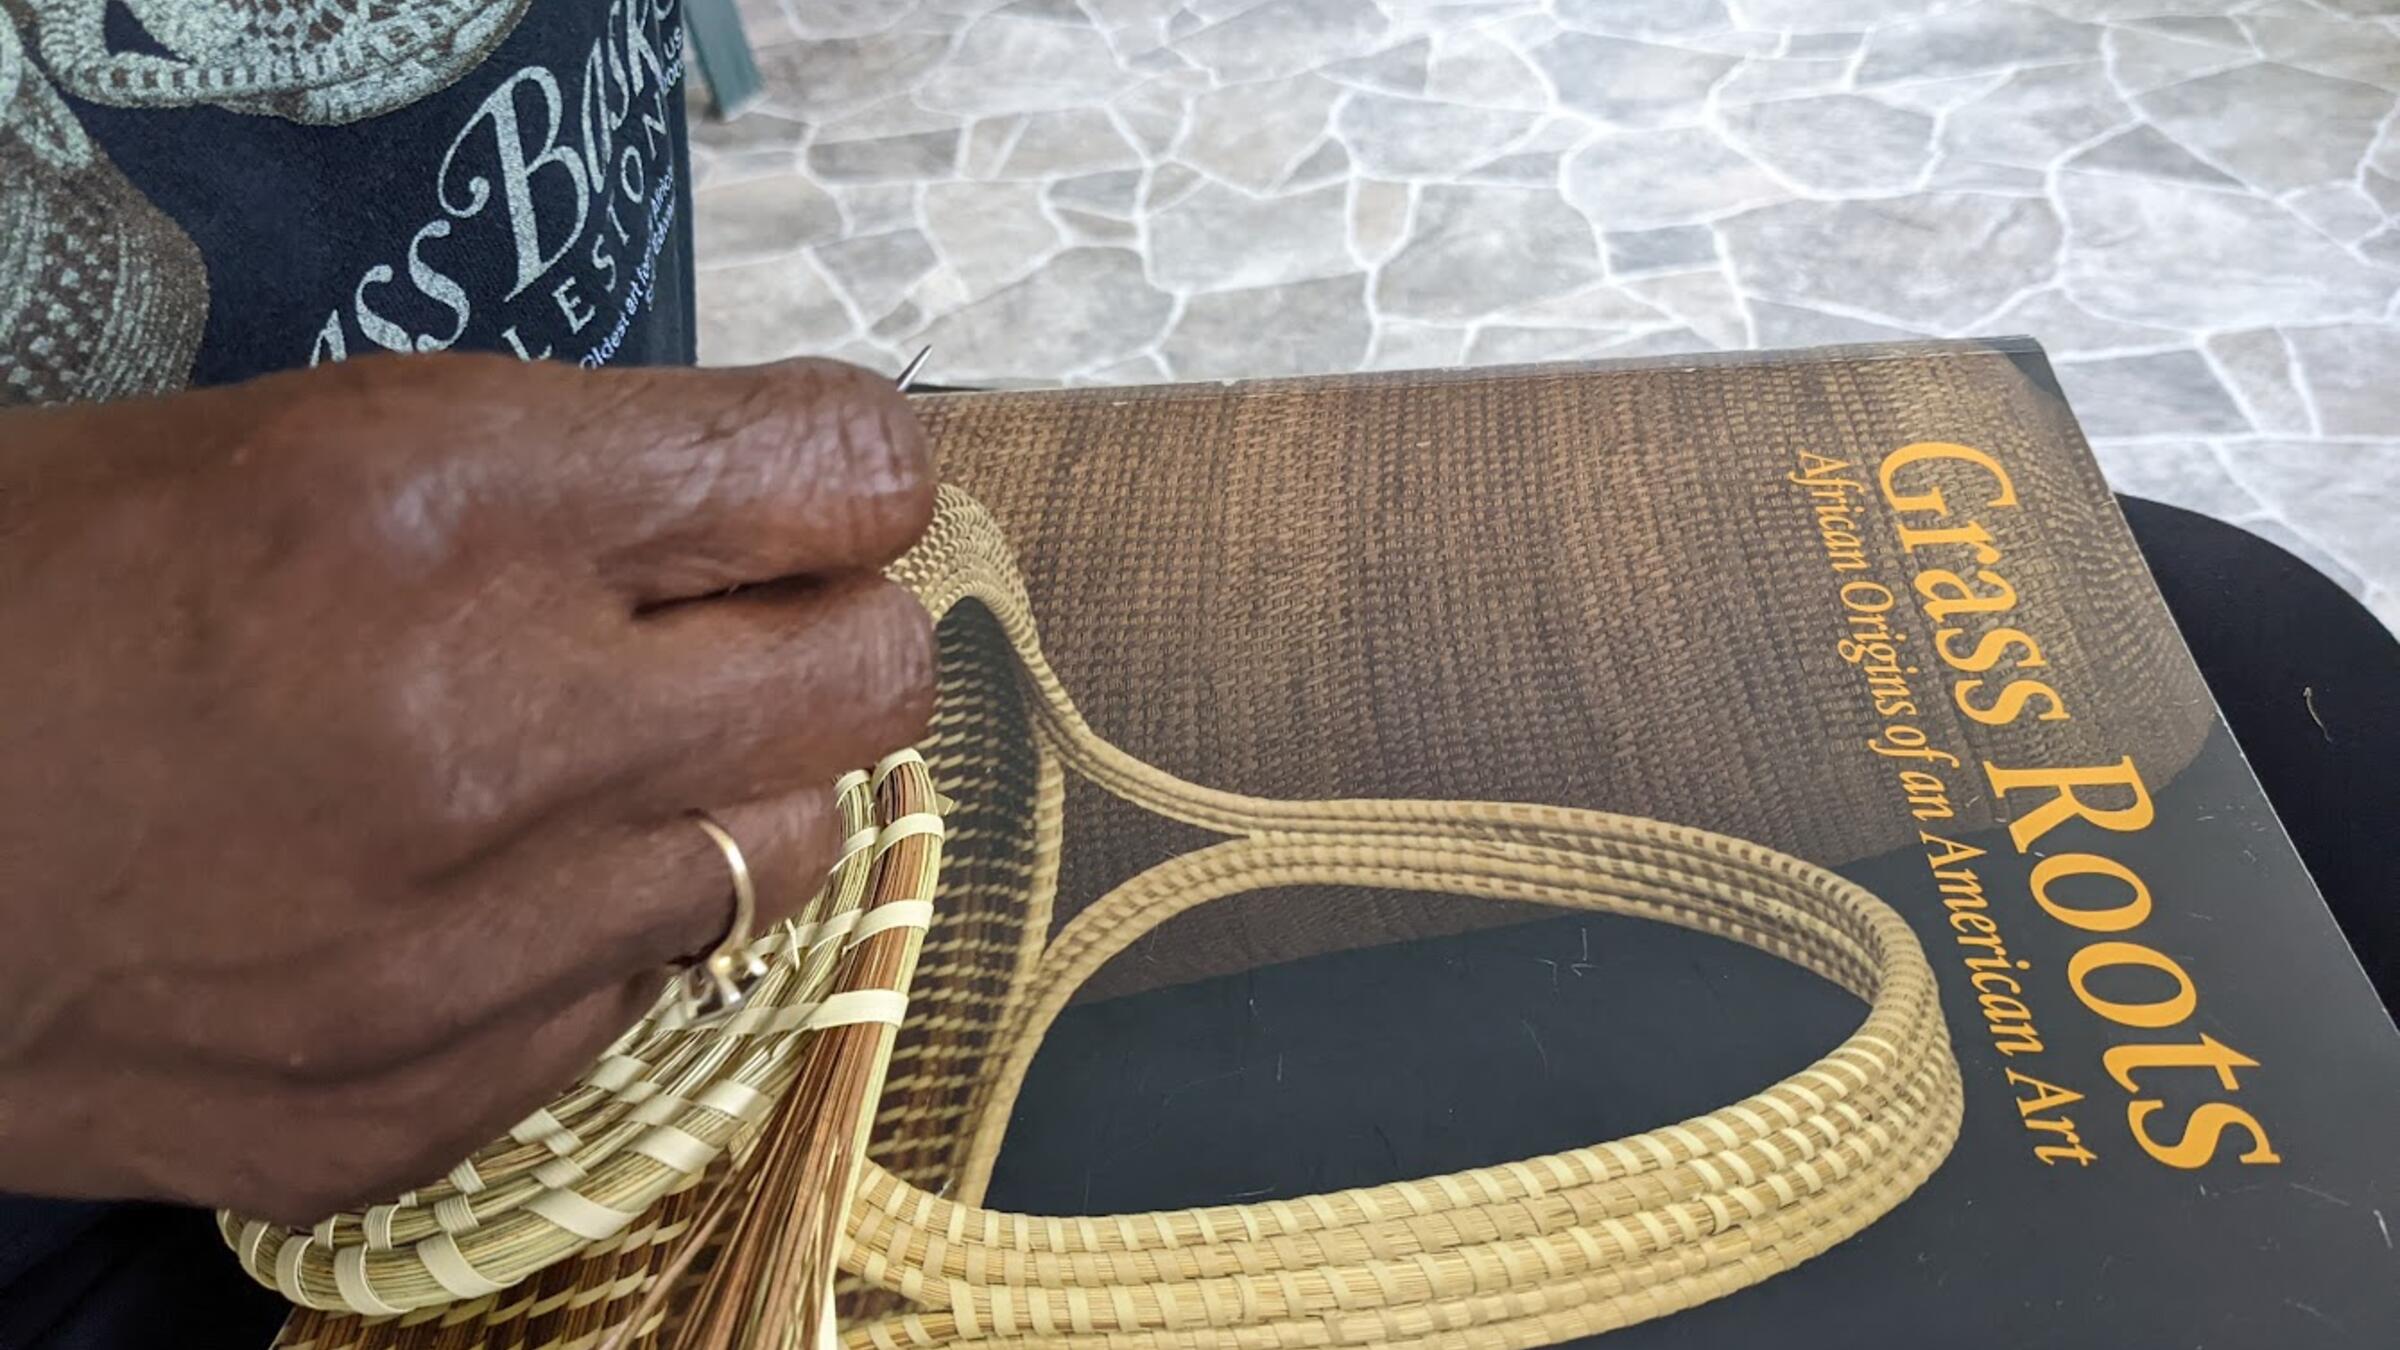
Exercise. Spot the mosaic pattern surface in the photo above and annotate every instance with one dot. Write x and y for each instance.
(2194, 203)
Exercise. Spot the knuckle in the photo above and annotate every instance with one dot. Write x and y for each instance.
(877, 454)
(380, 459)
(324, 477)
(314, 412)
(439, 764)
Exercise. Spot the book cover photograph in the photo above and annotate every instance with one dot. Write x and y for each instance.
(1693, 850)
(1688, 851)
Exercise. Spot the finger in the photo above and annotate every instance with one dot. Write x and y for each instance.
(669, 483)
(789, 844)
(296, 1150)
(635, 900)
(771, 688)
(682, 483)
(573, 909)
(474, 1091)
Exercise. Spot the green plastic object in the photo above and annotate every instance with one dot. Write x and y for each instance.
(723, 51)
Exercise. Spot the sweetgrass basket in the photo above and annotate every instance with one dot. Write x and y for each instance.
(646, 1206)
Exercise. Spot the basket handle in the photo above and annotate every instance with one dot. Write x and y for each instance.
(1585, 1239)
(1563, 856)
(1676, 1215)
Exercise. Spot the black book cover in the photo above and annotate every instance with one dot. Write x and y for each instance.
(1875, 607)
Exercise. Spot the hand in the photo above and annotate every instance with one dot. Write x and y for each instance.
(348, 723)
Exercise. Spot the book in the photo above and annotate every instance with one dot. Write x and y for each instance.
(1874, 607)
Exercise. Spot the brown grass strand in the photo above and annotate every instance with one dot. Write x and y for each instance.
(770, 1286)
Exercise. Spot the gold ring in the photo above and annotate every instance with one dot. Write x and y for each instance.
(715, 986)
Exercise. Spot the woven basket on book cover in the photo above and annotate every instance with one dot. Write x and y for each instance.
(1587, 585)
(557, 1235)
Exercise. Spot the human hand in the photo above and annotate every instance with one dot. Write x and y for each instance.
(348, 724)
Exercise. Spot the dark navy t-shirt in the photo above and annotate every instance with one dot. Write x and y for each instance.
(193, 192)
(197, 191)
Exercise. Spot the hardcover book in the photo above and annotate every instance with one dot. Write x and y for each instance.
(1871, 607)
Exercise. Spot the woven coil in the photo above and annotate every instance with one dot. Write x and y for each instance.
(1523, 1254)
(662, 1106)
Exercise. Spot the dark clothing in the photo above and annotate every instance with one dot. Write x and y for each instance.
(223, 197)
